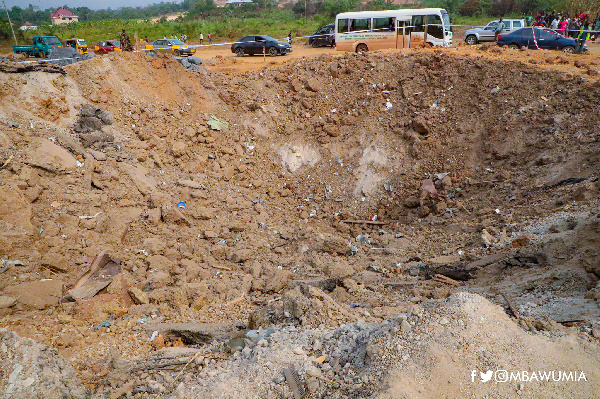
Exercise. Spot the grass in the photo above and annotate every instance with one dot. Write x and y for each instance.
(277, 24)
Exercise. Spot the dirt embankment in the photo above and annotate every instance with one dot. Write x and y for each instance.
(340, 190)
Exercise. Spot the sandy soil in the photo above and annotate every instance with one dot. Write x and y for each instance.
(411, 216)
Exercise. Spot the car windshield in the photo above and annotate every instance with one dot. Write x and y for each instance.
(52, 41)
(116, 43)
(177, 42)
(81, 42)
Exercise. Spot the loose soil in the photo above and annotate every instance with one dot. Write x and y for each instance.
(410, 215)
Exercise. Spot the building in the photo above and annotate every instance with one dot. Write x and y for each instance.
(28, 26)
(63, 16)
(238, 2)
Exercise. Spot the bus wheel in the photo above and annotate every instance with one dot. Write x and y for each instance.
(362, 48)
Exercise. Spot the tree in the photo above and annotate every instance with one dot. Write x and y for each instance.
(334, 7)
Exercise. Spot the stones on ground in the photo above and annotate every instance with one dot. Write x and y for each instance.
(7, 301)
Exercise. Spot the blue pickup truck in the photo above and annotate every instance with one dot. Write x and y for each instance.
(41, 47)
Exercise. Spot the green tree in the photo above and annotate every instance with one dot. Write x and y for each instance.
(334, 7)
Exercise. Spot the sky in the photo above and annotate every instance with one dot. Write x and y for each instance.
(94, 5)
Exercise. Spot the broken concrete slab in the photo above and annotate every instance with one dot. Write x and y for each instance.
(102, 271)
(46, 155)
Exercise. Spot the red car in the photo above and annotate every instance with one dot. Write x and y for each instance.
(107, 47)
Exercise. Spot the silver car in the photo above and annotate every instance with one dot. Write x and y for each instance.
(487, 33)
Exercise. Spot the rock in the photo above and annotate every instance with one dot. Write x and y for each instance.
(36, 371)
(98, 156)
(44, 154)
(97, 139)
(296, 85)
(298, 351)
(241, 255)
(420, 126)
(172, 214)
(202, 213)
(138, 296)
(7, 301)
(37, 294)
(405, 326)
(15, 212)
(138, 175)
(179, 148)
(334, 246)
(313, 84)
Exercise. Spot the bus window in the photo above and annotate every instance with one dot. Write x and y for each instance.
(342, 26)
(435, 27)
(361, 24)
(384, 24)
(417, 23)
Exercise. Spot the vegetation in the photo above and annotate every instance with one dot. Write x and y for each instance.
(223, 28)
(227, 23)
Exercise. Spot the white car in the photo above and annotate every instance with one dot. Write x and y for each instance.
(487, 33)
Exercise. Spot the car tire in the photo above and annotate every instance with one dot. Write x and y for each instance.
(177, 53)
(273, 51)
(514, 46)
(568, 49)
(314, 44)
(471, 40)
(41, 54)
(239, 52)
(362, 48)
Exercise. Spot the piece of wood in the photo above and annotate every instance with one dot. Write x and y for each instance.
(373, 222)
(445, 279)
(514, 310)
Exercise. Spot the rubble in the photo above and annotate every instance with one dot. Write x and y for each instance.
(288, 216)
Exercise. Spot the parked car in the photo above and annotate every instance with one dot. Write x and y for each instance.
(171, 46)
(324, 36)
(78, 44)
(254, 44)
(547, 39)
(107, 47)
(488, 32)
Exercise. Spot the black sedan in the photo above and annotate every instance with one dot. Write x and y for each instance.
(545, 38)
(254, 44)
(325, 36)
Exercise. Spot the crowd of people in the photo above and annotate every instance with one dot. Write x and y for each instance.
(570, 26)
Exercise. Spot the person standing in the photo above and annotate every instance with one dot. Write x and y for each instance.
(201, 38)
(554, 24)
(125, 41)
(562, 26)
(498, 30)
(289, 38)
(584, 34)
(209, 38)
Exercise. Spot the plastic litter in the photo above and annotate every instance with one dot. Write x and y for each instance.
(181, 205)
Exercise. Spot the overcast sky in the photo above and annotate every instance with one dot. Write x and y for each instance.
(94, 5)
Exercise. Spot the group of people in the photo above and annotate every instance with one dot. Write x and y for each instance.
(580, 27)
(570, 26)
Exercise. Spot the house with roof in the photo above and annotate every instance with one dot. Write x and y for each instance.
(63, 16)
(28, 26)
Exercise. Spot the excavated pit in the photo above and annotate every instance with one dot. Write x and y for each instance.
(339, 192)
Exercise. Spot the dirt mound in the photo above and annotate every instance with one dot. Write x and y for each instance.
(319, 193)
